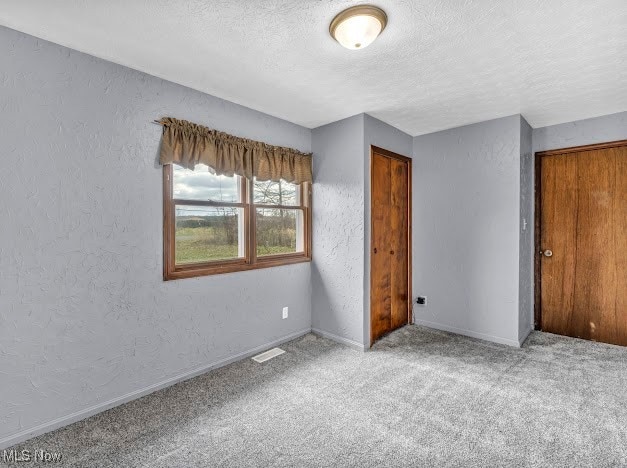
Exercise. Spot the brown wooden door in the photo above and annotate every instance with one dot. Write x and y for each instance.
(583, 244)
(390, 304)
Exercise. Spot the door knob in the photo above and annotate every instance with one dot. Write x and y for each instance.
(547, 253)
(375, 250)
(391, 252)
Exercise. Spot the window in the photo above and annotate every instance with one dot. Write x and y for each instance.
(219, 224)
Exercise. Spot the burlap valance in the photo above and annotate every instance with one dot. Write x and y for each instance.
(188, 144)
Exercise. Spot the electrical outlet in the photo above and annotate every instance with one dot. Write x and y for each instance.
(421, 300)
(285, 312)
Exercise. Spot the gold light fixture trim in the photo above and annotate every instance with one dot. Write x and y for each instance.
(358, 26)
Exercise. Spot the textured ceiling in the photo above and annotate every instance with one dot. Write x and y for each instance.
(439, 64)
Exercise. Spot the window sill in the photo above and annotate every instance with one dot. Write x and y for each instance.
(208, 270)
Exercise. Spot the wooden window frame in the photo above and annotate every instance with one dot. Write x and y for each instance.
(250, 261)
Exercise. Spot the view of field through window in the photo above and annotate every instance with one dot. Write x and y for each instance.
(205, 234)
(212, 233)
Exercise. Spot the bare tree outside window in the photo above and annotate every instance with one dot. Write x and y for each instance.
(206, 233)
(277, 226)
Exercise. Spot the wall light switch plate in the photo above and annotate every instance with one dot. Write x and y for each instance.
(285, 312)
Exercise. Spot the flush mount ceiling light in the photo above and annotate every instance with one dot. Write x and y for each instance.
(357, 27)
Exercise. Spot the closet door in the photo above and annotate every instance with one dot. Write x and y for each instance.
(582, 255)
(390, 305)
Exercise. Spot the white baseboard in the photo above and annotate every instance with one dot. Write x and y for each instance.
(98, 408)
(339, 339)
(472, 334)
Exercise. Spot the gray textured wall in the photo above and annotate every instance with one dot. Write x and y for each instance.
(341, 267)
(526, 251)
(84, 314)
(581, 132)
(466, 199)
(385, 136)
(338, 229)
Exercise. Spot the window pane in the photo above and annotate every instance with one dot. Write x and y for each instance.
(276, 193)
(201, 184)
(279, 231)
(206, 234)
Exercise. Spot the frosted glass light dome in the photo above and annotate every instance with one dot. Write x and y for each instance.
(358, 26)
